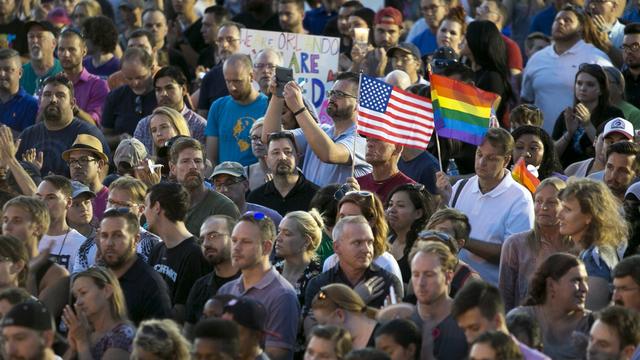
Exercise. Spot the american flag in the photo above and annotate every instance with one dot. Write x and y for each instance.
(394, 115)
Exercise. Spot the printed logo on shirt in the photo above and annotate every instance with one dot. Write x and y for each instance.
(166, 271)
(239, 128)
(7, 40)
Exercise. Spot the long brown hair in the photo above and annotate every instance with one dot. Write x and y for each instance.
(554, 267)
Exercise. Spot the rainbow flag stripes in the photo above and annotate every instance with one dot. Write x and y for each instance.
(524, 177)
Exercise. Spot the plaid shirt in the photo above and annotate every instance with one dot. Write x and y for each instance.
(195, 122)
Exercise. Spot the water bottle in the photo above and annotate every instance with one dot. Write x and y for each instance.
(452, 170)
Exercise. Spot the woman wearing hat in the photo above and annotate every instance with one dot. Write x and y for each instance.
(338, 304)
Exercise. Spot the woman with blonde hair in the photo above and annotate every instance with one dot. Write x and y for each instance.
(161, 340)
(97, 322)
(523, 252)
(339, 305)
(165, 124)
(592, 218)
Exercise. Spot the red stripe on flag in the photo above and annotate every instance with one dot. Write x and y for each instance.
(425, 129)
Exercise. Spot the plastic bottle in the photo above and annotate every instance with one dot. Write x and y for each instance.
(452, 170)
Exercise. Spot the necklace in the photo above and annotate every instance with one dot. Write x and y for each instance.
(63, 241)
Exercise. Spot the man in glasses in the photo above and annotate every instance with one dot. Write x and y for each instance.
(631, 57)
(289, 190)
(252, 240)
(213, 85)
(178, 257)
(124, 193)
(231, 117)
(406, 57)
(89, 90)
(87, 163)
(145, 292)
(127, 105)
(264, 68)
(230, 179)
(58, 128)
(329, 150)
(187, 166)
(626, 283)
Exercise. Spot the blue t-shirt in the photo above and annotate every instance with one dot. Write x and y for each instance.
(54, 142)
(316, 19)
(426, 42)
(543, 20)
(20, 112)
(230, 122)
(421, 169)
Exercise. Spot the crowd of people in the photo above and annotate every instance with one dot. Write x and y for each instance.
(166, 196)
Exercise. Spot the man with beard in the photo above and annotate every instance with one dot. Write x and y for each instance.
(215, 237)
(213, 84)
(622, 167)
(615, 335)
(385, 177)
(230, 180)
(18, 109)
(231, 117)
(187, 166)
(90, 90)
(128, 104)
(290, 16)
(549, 77)
(178, 257)
(328, 149)
(87, 162)
(170, 86)
(41, 37)
(386, 34)
(144, 290)
(264, 68)
(288, 190)
(251, 244)
(28, 332)
(58, 128)
(631, 57)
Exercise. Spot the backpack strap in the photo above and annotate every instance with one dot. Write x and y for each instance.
(458, 191)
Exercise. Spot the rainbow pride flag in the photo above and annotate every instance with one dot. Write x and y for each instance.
(462, 111)
(521, 174)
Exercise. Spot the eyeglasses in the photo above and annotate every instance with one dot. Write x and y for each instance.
(256, 138)
(625, 289)
(430, 8)
(260, 66)
(155, 331)
(117, 211)
(212, 236)
(228, 40)
(228, 184)
(442, 236)
(83, 161)
(442, 63)
(346, 189)
(340, 94)
(255, 215)
(630, 48)
(138, 105)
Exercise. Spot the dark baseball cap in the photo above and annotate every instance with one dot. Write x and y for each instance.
(405, 47)
(30, 314)
(45, 25)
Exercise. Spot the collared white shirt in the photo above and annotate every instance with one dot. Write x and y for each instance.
(549, 77)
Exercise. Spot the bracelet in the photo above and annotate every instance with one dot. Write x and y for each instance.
(300, 111)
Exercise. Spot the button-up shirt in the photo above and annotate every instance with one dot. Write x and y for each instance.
(90, 92)
(20, 111)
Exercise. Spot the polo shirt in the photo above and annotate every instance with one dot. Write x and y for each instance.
(54, 142)
(494, 216)
(31, 82)
(196, 124)
(336, 275)
(204, 289)
(20, 111)
(212, 88)
(631, 88)
(297, 199)
(145, 292)
(385, 187)
(323, 174)
(90, 92)
(548, 78)
(213, 203)
(281, 303)
(230, 122)
(422, 169)
(121, 113)
(543, 20)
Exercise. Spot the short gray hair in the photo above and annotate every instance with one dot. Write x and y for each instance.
(7, 53)
(339, 228)
(270, 50)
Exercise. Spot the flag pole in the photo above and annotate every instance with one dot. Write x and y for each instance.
(439, 154)
(355, 138)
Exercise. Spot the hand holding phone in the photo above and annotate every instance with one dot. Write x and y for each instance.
(283, 76)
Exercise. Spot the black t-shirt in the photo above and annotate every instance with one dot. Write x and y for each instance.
(208, 57)
(213, 87)
(194, 37)
(180, 267)
(123, 109)
(204, 289)
(14, 36)
(298, 198)
(146, 293)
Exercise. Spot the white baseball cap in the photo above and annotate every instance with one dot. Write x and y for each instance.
(619, 125)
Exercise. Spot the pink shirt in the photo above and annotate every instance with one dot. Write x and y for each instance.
(90, 92)
(100, 203)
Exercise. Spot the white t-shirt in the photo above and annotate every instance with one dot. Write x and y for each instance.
(494, 216)
(548, 78)
(65, 247)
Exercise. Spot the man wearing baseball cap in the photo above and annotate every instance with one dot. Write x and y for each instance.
(80, 213)
(28, 332)
(387, 30)
(41, 38)
(128, 154)
(406, 57)
(615, 130)
(230, 179)
(251, 318)
(87, 162)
